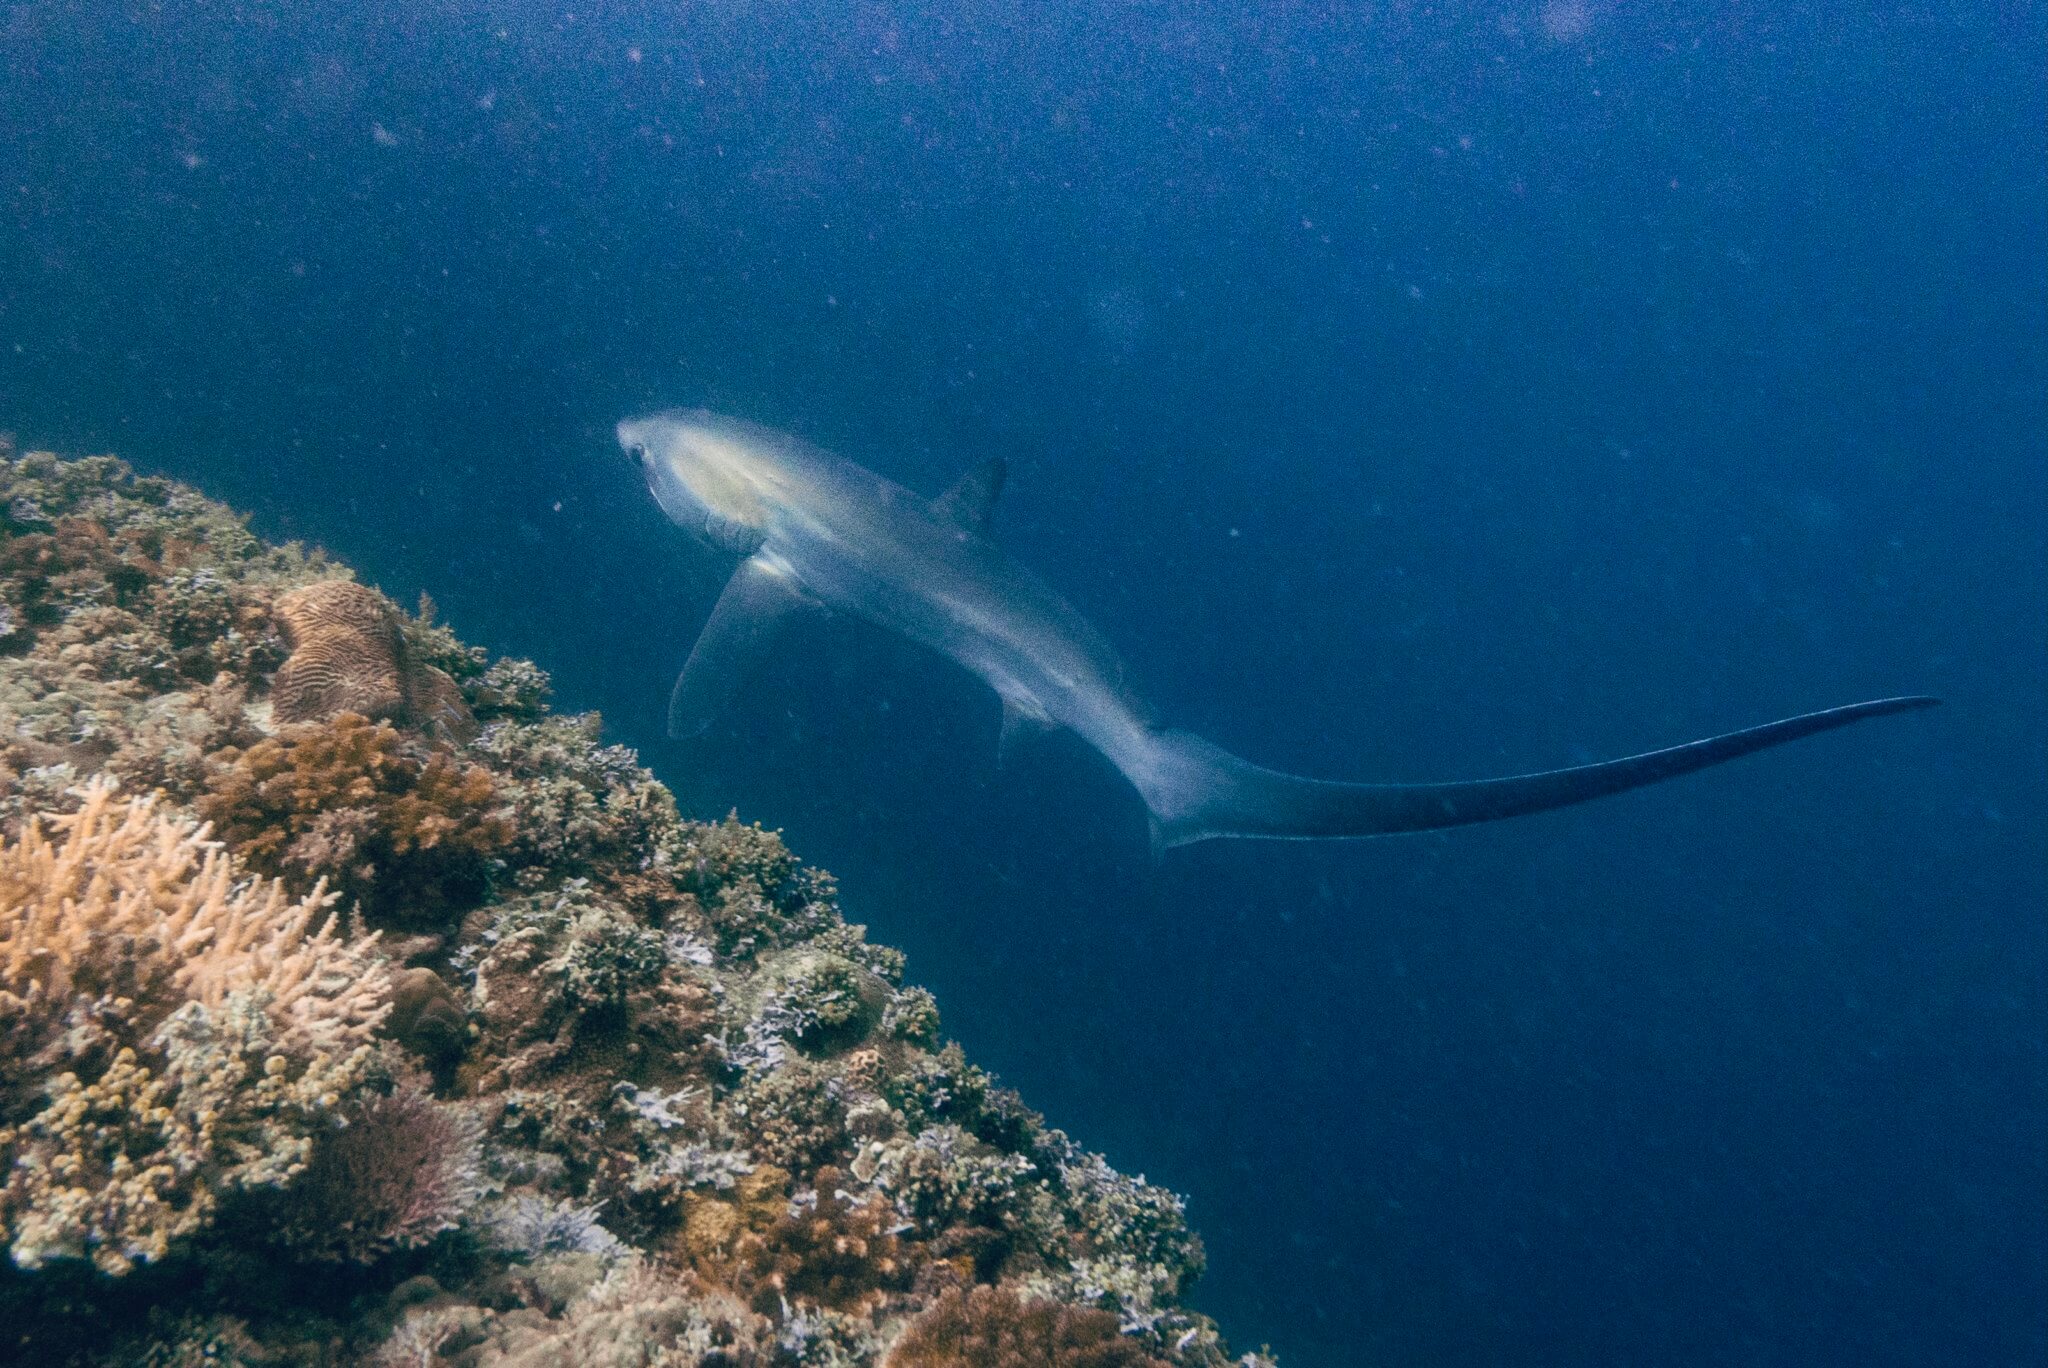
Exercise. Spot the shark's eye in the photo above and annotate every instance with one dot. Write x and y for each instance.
(636, 453)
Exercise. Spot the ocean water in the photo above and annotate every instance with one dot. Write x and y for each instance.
(1411, 391)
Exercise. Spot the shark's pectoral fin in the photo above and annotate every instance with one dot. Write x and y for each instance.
(1020, 720)
(971, 502)
(762, 595)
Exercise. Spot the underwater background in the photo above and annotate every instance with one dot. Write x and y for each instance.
(1410, 391)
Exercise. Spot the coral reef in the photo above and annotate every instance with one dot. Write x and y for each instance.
(405, 828)
(172, 1032)
(398, 1169)
(448, 1039)
(987, 1327)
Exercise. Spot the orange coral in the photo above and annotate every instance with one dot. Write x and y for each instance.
(136, 913)
(992, 1327)
(713, 1227)
(349, 656)
(827, 1249)
(353, 801)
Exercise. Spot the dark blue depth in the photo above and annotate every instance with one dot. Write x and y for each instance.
(1412, 392)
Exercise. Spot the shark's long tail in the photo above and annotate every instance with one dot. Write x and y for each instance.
(1196, 791)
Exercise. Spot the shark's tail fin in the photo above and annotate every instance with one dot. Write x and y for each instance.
(1196, 791)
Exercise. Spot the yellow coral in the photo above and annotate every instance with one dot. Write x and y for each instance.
(171, 1030)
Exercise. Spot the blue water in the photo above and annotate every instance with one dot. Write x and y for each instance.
(1411, 391)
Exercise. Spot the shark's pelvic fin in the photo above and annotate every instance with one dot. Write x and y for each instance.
(761, 595)
(1196, 791)
(971, 502)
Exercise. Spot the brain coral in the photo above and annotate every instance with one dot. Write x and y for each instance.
(348, 655)
(344, 654)
(171, 1031)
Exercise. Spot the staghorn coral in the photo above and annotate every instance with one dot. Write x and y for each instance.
(694, 1116)
(403, 829)
(136, 913)
(173, 1032)
(990, 1327)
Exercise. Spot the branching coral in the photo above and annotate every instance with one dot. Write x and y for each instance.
(576, 804)
(172, 1032)
(1134, 1222)
(912, 1015)
(148, 558)
(566, 977)
(532, 1226)
(406, 830)
(944, 1177)
(509, 688)
(944, 1088)
(77, 561)
(136, 912)
(794, 1116)
(631, 1317)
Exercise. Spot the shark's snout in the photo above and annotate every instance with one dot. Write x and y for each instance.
(632, 434)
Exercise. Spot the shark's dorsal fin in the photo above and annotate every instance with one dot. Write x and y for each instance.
(761, 595)
(972, 499)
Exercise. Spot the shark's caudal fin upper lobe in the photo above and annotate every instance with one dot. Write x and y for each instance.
(1196, 790)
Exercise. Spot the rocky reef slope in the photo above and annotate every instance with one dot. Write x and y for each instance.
(355, 1008)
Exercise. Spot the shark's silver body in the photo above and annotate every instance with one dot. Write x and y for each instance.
(815, 530)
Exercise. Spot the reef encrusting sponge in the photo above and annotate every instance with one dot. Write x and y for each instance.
(614, 1086)
(169, 1031)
